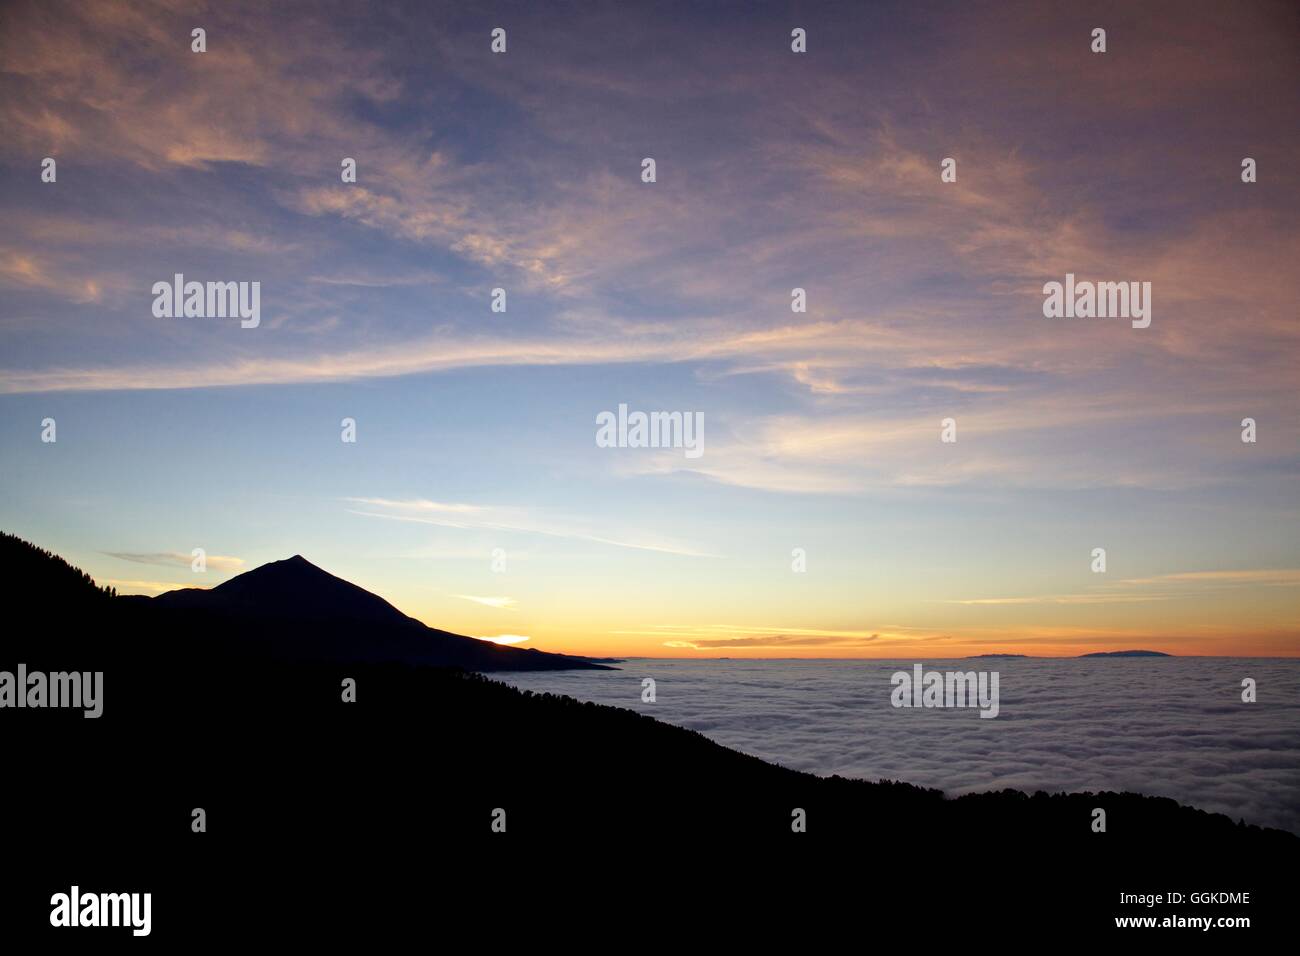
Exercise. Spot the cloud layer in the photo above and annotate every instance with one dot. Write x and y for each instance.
(1166, 727)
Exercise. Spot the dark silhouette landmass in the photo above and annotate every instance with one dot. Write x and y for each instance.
(293, 610)
(976, 657)
(1127, 654)
(204, 707)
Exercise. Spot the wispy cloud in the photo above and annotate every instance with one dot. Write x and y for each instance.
(215, 562)
(514, 519)
(1267, 577)
(721, 636)
(500, 603)
(1161, 587)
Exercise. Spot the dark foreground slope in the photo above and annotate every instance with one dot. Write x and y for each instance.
(361, 814)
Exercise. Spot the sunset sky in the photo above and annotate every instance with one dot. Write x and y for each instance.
(476, 430)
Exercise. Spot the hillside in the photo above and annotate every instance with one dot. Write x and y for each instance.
(199, 713)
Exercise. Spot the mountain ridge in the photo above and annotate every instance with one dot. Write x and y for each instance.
(287, 610)
(348, 622)
(292, 586)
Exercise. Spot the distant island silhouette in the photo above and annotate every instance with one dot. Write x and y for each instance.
(976, 657)
(1127, 654)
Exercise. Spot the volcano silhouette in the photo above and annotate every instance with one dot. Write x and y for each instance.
(293, 587)
(295, 610)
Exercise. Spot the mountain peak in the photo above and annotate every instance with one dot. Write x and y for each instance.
(297, 562)
(292, 587)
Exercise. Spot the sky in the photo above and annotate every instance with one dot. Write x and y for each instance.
(476, 497)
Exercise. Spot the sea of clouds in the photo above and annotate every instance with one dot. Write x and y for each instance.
(1171, 727)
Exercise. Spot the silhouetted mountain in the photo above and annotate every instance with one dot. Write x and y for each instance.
(1127, 654)
(301, 612)
(293, 588)
(287, 610)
